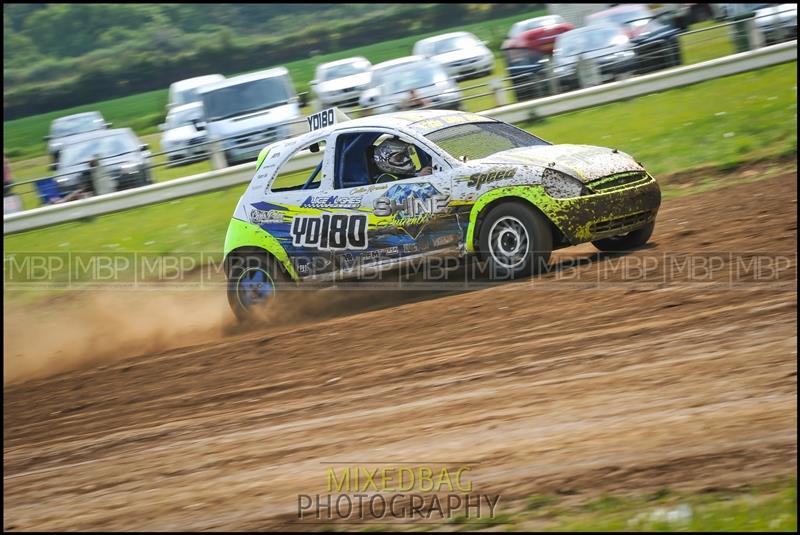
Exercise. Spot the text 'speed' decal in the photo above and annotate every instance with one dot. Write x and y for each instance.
(479, 179)
(330, 231)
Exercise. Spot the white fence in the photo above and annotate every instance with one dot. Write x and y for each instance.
(513, 113)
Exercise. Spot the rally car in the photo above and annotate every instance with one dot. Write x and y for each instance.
(394, 189)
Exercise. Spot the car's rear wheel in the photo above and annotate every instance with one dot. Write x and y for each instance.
(516, 241)
(627, 241)
(253, 282)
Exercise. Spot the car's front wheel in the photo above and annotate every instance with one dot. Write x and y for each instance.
(516, 241)
(623, 242)
(253, 282)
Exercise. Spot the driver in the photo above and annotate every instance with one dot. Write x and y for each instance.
(393, 157)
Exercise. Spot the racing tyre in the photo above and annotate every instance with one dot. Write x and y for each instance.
(515, 240)
(253, 281)
(631, 240)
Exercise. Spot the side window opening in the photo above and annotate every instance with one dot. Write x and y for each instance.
(304, 179)
(355, 160)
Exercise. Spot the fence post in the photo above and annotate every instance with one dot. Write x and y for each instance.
(496, 86)
(552, 81)
(755, 36)
(218, 160)
(588, 72)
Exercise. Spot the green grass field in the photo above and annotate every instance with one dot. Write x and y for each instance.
(716, 123)
(22, 138)
(768, 507)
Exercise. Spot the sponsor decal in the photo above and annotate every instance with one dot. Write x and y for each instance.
(260, 217)
(410, 201)
(330, 231)
(331, 201)
(445, 240)
(479, 179)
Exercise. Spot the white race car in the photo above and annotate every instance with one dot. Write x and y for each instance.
(391, 189)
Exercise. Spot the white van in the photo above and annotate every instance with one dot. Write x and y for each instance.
(250, 111)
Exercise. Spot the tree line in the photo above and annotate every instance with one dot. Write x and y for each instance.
(63, 55)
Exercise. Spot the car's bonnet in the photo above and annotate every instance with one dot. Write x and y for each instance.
(255, 121)
(182, 133)
(584, 162)
(460, 54)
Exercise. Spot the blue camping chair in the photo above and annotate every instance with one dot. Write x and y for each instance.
(48, 190)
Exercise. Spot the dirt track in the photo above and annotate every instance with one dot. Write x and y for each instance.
(542, 386)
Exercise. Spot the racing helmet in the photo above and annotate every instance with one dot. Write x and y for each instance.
(394, 156)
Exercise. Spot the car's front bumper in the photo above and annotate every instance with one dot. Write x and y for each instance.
(461, 70)
(597, 214)
(605, 213)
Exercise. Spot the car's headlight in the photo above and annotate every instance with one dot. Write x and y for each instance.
(561, 185)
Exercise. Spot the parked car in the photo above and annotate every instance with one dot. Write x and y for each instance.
(604, 45)
(654, 36)
(528, 49)
(181, 138)
(462, 54)
(123, 156)
(410, 82)
(185, 91)
(777, 23)
(340, 83)
(249, 111)
(64, 129)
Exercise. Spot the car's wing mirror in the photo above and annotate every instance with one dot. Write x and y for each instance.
(52, 166)
(314, 147)
(109, 125)
(144, 146)
(162, 127)
(46, 138)
(312, 83)
(198, 124)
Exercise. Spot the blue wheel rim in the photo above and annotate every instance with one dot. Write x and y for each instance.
(255, 287)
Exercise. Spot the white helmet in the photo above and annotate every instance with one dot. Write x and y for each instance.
(393, 156)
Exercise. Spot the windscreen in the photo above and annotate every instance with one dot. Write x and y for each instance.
(345, 69)
(245, 98)
(539, 22)
(76, 125)
(574, 43)
(453, 43)
(103, 146)
(412, 76)
(176, 119)
(636, 16)
(479, 140)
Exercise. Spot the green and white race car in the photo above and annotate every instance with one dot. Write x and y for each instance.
(392, 189)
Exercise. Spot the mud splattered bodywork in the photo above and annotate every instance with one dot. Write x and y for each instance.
(340, 217)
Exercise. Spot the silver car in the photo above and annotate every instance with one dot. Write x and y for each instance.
(461, 53)
(777, 23)
(181, 139)
(340, 83)
(64, 129)
(604, 47)
(408, 83)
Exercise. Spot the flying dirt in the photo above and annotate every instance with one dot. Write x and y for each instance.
(579, 379)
